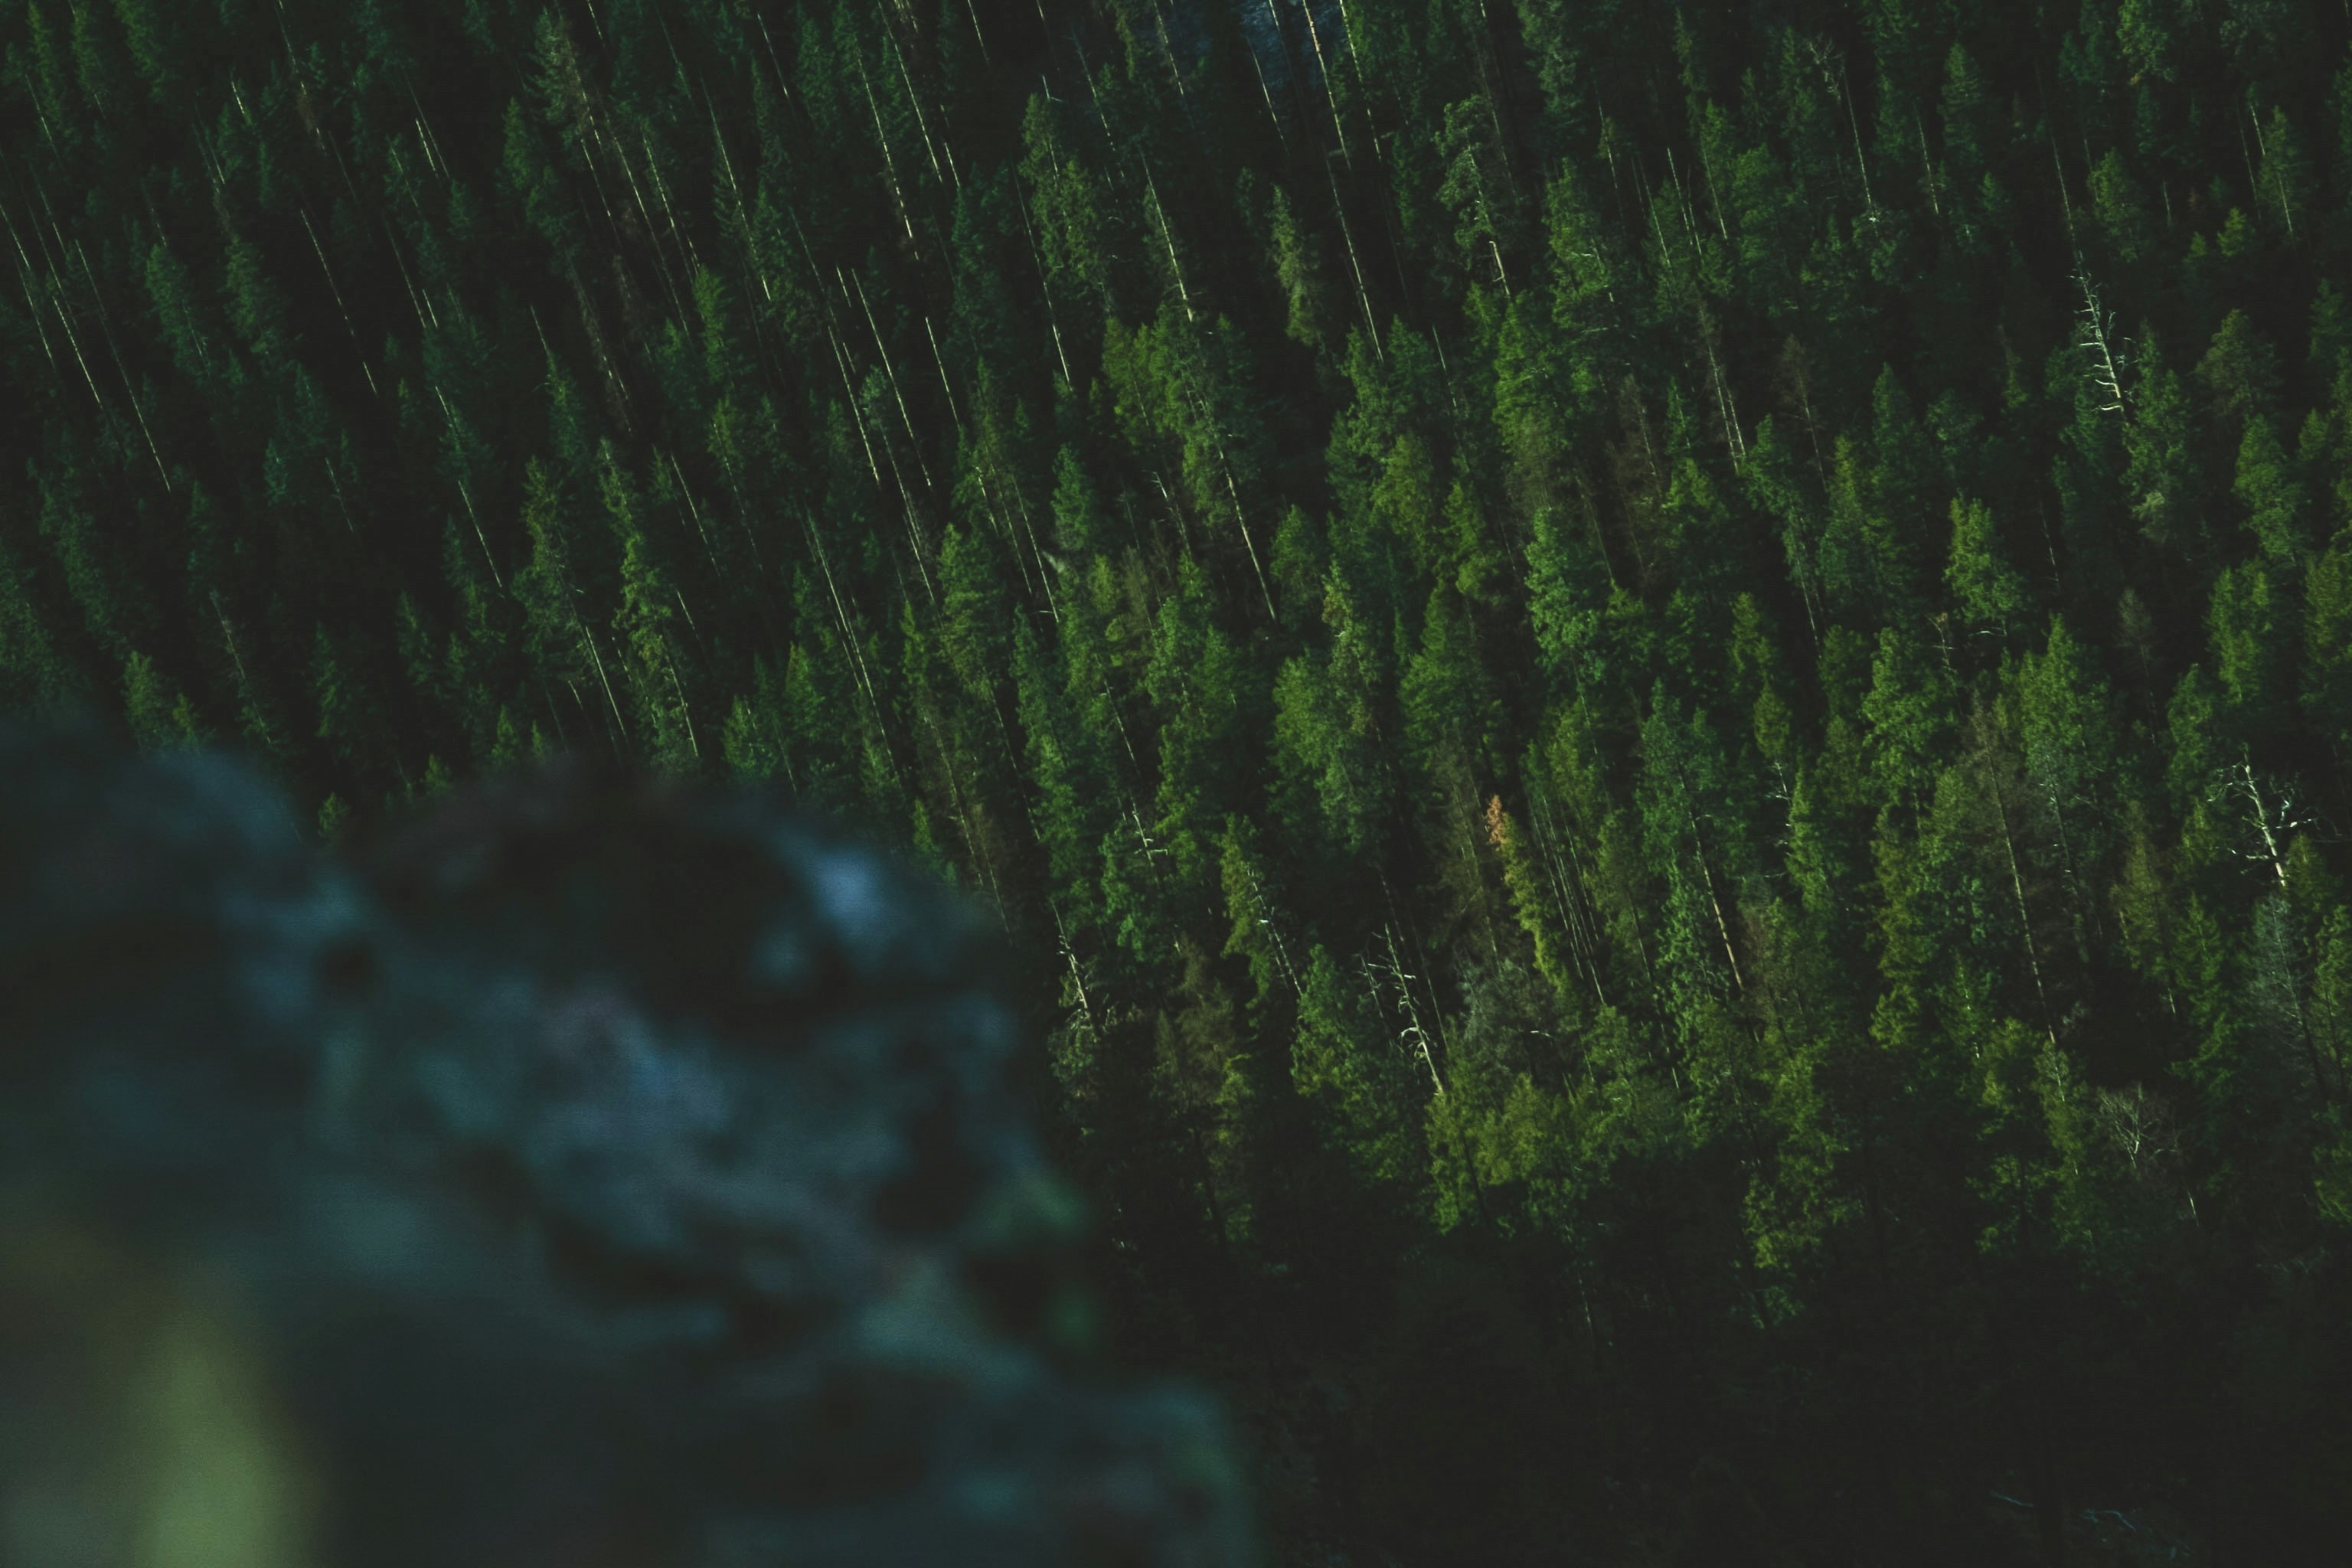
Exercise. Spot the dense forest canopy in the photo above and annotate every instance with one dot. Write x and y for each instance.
(1660, 692)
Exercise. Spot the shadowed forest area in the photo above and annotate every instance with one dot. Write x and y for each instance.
(1659, 693)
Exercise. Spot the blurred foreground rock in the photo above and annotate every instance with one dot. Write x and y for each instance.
(600, 1173)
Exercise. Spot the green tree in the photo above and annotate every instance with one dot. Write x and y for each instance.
(648, 624)
(1986, 590)
(2250, 621)
(161, 717)
(1909, 713)
(2162, 476)
(2241, 372)
(1358, 1080)
(2274, 497)
(2117, 202)
(2327, 686)
(2071, 746)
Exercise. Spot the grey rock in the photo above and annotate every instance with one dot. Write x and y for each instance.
(602, 1170)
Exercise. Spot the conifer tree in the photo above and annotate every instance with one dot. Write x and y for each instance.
(1990, 594)
(648, 626)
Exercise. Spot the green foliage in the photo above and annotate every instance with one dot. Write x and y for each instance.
(2274, 497)
(160, 718)
(1342, 1064)
(1986, 589)
(2241, 372)
(1626, 699)
(2327, 646)
(2250, 627)
(2161, 475)
(2124, 223)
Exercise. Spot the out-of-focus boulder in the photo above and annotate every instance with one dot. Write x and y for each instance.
(601, 1172)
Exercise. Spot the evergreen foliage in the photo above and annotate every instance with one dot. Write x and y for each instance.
(1659, 694)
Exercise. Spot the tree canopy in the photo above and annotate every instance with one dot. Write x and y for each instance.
(1658, 694)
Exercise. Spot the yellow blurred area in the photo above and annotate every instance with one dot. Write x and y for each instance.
(137, 1424)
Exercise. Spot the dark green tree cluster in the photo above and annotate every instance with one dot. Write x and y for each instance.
(1661, 693)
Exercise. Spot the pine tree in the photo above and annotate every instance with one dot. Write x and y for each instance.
(2249, 623)
(1359, 1083)
(2070, 744)
(1990, 594)
(2161, 475)
(648, 627)
(2125, 227)
(1909, 710)
(2327, 681)
(2241, 372)
(2274, 497)
(755, 740)
(161, 717)
(2284, 181)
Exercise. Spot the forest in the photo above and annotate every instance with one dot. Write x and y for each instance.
(1658, 693)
